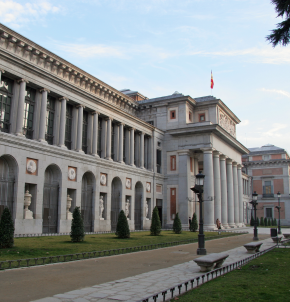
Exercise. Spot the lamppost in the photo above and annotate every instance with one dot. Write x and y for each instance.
(279, 208)
(198, 189)
(254, 203)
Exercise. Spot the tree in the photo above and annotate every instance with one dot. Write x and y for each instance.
(77, 233)
(122, 230)
(6, 230)
(193, 226)
(281, 35)
(275, 222)
(269, 222)
(258, 222)
(262, 221)
(155, 228)
(177, 228)
(265, 221)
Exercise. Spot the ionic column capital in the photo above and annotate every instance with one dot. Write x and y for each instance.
(121, 124)
(80, 105)
(63, 98)
(229, 161)
(44, 90)
(183, 152)
(216, 154)
(107, 118)
(95, 112)
(22, 80)
(207, 150)
(223, 157)
(2, 70)
(235, 163)
(239, 166)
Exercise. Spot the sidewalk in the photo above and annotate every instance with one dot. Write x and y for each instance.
(28, 284)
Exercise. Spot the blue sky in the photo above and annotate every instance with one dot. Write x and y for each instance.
(161, 46)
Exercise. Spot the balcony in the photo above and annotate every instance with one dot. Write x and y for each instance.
(271, 195)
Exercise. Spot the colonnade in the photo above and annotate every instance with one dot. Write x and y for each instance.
(138, 145)
(223, 190)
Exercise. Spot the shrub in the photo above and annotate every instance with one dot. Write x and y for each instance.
(262, 221)
(258, 221)
(77, 233)
(177, 228)
(155, 228)
(269, 222)
(193, 226)
(265, 221)
(6, 230)
(272, 222)
(122, 230)
(275, 222)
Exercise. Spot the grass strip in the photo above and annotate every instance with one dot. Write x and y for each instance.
(265, 278)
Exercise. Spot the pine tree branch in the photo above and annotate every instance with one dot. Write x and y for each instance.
(281, 35)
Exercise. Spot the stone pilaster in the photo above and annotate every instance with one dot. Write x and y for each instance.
(109, 138)
(217, 186)
(95, 134)
(142, 137)
(230, 185)
(43, 110)
(80, 128)
(132, 133)
(62, 123)
(20, 110)
(121, 143)
(224, 193)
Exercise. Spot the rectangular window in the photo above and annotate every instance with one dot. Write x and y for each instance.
(268, 189)
(68, 125)
(190, 116)
(172, 202)
(158, 188)
(100, 136)
(202, 117)
(85, 132)
(28, 112)
(158, 162)
(6, 86)
(49, 119)
(269, 213)
(173, 163)
(172, 114)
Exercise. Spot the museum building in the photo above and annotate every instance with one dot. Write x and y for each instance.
(69, 139)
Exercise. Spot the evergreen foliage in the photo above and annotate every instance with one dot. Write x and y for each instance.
(122, 230)
(177, 228)
(262, 221)
(194, 225)
(272, 221)
(258, 221)
(252, 221)
(281, 35)
(6, 230)
(275, 222)
(269, 222)
(77, 233)
(155, 228)
(265, 222)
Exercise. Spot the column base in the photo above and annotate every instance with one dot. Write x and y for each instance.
(132, 165)
(109, 158)
(19, 134)
(226, 226)
(121, 162)
(80, 151)
(43, 141)
(96, 155)
(63, 147)
(232, 226)
(210, 227)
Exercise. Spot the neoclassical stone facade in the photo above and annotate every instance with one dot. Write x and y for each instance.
(68, 139)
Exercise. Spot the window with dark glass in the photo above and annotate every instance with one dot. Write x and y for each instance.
(6, 86)
(29, 107)
(85, 132)
(269, 213)
(268, 189)
(68, 125)
(158, 162)
(49, 119)
(100, 136)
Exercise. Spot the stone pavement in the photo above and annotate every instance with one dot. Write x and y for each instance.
(143, 285)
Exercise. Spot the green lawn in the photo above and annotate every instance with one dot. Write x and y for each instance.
(61, 245)
(264, 279)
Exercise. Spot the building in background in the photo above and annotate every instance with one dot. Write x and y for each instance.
(269, 168)
(69, 139)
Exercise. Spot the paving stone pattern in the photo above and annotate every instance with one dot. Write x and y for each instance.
(143, 285)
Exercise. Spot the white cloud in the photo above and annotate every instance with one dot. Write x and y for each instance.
(244, 123)
(275, 128)
(283, 92)
(16, 14)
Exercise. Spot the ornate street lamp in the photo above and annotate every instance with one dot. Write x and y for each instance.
(254, 203)
(279, 208)
(198, 189)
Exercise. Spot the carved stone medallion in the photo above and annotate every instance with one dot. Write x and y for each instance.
(31, 166)
(128, 183)
(72, 173)
(103, 179)
(148, 187)
(227, 123)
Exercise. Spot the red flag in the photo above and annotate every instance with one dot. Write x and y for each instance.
(211, 82)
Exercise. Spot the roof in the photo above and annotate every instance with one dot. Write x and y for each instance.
(267, 148)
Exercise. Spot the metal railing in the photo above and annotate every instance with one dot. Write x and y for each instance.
(185, 286)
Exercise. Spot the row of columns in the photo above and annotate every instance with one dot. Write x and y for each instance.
(223, 191)
(107, 131)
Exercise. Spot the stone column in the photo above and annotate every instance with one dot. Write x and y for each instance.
(236, 195)
(127, 146)
(137, 149)
(95, 134)
(241, 204)
(183, 186)
(224, 193)
(20, 110)
(80, 128)
(230, 185)
(132, 131)
(208, 194)
(109, 138)
(104, 138)
(151, 154)
(42, 119)
(62, 123)
(141, 152)
(146, 139)
(217, 186)
(121, 143)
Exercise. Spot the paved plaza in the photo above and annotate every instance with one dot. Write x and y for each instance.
(119, 278)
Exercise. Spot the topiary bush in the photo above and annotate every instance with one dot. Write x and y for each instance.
(155, 228)
(275, 222)
(262, 221)
(6, 230)
(265, 222)
(122, 230)
(177, 228)
(269, 222)
(194, 225)
(77, 232)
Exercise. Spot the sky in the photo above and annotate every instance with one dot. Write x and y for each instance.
(158, 47)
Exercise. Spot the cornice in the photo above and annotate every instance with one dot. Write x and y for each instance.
(260, 163)
(28, 51)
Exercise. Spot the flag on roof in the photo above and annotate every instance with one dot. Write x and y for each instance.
(211, 82)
